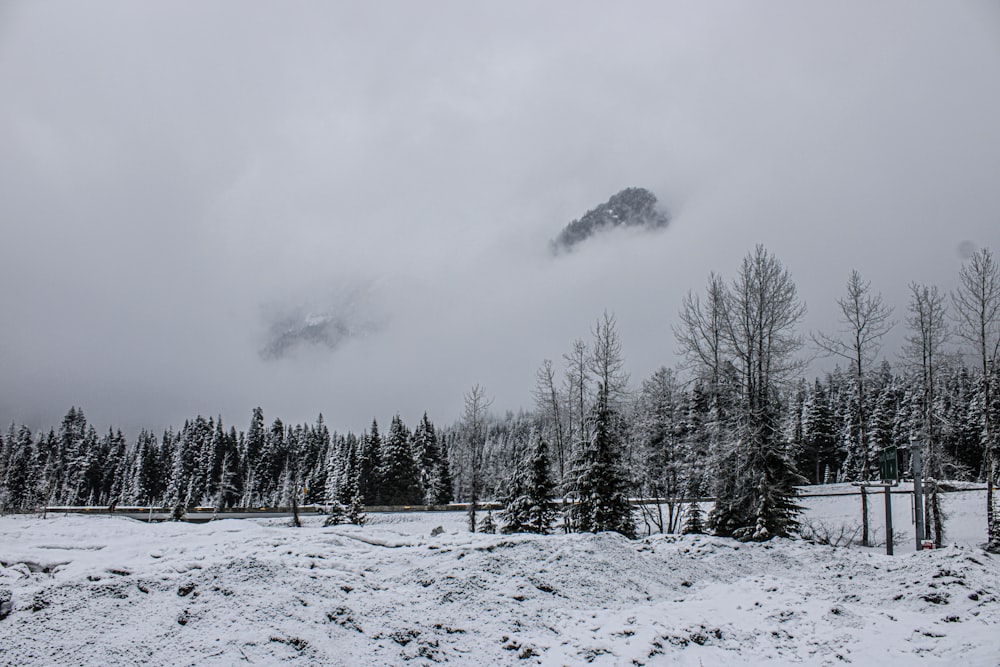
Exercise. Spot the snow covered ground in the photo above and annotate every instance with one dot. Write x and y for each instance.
(112, 591)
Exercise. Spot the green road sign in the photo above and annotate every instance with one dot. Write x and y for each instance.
(887, 464)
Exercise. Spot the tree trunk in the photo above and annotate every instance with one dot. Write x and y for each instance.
(474, 502)
(992, 527)
(295, 510)
(937, 517)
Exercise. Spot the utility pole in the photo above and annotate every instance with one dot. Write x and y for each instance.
(918, 493)
(888, 520)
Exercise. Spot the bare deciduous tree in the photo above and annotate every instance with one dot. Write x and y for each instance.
(606, 362)
(549, 405)
(751, 324)
(662, 464)
(760, 326)
(578, 394)
(924, 352)
(866, 321)
(977, 315)
(701, 330)
(702, 344)
(473, 432)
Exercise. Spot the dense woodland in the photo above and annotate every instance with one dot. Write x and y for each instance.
(736, 421)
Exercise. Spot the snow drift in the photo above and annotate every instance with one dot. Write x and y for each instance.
(109, 590)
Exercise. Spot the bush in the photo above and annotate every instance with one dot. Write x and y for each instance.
(818, 532)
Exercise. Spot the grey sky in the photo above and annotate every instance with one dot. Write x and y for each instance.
(182, 182)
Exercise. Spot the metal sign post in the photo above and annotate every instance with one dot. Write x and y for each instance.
(888, 465)
(888, 520)
(888, 508)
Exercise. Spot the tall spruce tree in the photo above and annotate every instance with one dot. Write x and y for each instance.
(428, 457)
(19, 482)
(253, 446)
(527, 501)
(598, 487)
(369, 465)
(442, 493)
(817, 455)
(398, 472)
(314, 461)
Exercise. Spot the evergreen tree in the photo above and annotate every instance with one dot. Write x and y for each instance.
(761, 310)
(291, 487)
(885, 408)
(527, 500)
(349, 472)
(541, 489)
(230, 481)
(114, 470)
(776, 512)
(253, 446)
(400, 478)
(314, 461)
(203, 461)
(344, 499)
(428, 456)
(271, 464)
(598, 486)
(693, 520)
(227, 490)
(488, 524)
(660, 461)
(47, 484)
(441, 492)
(817, 456)
(698, 443)
(183, 481)
(369, 465)
(334, 468)
(19, 482)
(90, 457)
(169, 445)
(68, 471)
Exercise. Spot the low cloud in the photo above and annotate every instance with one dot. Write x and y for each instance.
(347, 208)
(326, 325)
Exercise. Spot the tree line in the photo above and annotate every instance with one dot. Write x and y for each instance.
(204, 464)
(736, 420)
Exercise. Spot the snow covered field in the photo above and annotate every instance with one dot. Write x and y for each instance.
(113, 591)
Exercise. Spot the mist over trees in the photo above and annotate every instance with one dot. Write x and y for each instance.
(735, 421)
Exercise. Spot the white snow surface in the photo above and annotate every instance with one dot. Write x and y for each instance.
(108, 590)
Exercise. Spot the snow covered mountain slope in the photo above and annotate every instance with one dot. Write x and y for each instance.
(109, 590)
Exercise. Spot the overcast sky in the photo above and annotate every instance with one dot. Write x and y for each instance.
(345, 207)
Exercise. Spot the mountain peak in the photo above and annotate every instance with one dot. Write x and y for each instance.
(632, 207)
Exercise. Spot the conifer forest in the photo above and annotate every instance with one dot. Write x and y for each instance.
(738, 422)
